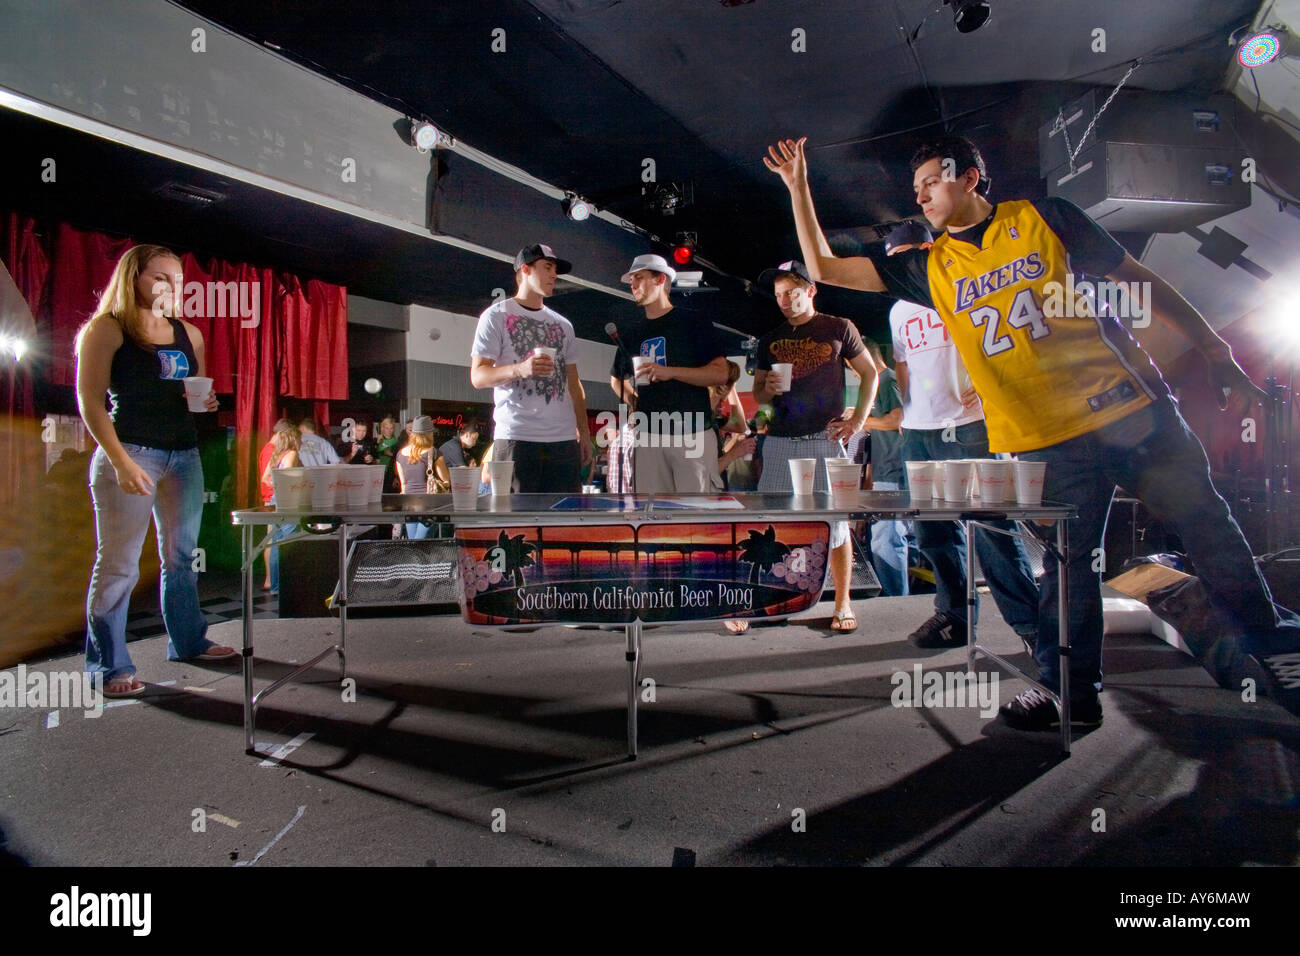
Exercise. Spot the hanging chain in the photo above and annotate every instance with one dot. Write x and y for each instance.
(1073, 153)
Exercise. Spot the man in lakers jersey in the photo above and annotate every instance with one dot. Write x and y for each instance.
(1064, 382)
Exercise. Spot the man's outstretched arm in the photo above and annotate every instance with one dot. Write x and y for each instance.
(787, 160)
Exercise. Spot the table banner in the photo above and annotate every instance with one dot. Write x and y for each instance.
(614, 574)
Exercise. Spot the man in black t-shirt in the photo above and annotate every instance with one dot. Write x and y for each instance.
(808, 418)
(679, 358)
(1063, 382)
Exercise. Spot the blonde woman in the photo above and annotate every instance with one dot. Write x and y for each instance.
(413, 463)
(282, 451)
(136, 353)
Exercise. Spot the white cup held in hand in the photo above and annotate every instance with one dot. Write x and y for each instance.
(197, 390)
(781, 376)
(641, 367)
(502, 473)
(803, 475)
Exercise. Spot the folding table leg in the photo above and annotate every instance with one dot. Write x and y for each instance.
(633, 655)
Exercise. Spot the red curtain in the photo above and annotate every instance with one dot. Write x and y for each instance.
(293, 345)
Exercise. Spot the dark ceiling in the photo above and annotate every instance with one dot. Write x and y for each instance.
(588, 89)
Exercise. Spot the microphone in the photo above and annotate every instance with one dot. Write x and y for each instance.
(612, 331)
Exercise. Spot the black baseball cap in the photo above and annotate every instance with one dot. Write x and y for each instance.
(540, 250)
(907, 233)
(791, 267)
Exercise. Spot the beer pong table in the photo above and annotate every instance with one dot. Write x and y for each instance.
(629, 561)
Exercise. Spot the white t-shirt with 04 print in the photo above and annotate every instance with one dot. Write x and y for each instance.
(936, 376)
(530, 409)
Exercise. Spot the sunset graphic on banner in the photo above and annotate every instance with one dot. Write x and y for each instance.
(655, 572)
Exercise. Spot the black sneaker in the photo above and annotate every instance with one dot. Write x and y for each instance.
(1033, 710)
(942, 630)
(1282, 678)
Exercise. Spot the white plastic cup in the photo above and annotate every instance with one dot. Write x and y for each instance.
(502, 474)
(956, 480)
(374, 482)
(464, 487)
(1029, 482)
(803, 475)
(782, 375)
(293, 488)
(325, 487)
(920, 479)
(197, 390)
(356, 487)
(640, 366)
(997, 480)
(545, 350)
(844, 478)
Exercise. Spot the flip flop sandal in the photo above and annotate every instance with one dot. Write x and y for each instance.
(736, 627)
(207, 655)
(134, 686)
(844, 622)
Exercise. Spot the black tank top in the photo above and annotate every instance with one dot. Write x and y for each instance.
(148, 395)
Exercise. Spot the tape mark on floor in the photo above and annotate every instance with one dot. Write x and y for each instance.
(220, 818)
(52, 720)
(284, 750)
(288, 826)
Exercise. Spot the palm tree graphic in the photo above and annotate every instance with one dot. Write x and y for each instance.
(511, 555)
(762, 550)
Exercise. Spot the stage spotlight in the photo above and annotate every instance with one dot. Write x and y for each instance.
(969, 15)
(575, 208)
(424, 134)
(1267, 46)
(19, 348)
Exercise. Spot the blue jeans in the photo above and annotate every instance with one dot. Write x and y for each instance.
(121, 521)
(889, 549)
(1155, 457)
(282, 531)
(943, 543)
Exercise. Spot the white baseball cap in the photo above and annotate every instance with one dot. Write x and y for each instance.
(653, 263)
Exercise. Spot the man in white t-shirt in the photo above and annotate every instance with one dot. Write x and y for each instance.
(943, 420)
(527, 354)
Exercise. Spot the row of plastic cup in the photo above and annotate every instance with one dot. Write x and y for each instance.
(991, 481)
(844, 477)
(327, 487)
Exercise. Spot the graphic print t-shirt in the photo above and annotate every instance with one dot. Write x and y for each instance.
(147, 392)
(531, 409)
(817, 349)
(681, 339)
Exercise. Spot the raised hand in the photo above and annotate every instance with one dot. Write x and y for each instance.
(787, 160)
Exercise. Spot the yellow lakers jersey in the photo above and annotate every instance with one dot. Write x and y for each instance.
(1047, 368)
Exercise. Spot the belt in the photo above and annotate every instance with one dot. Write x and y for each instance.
(816, 436)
